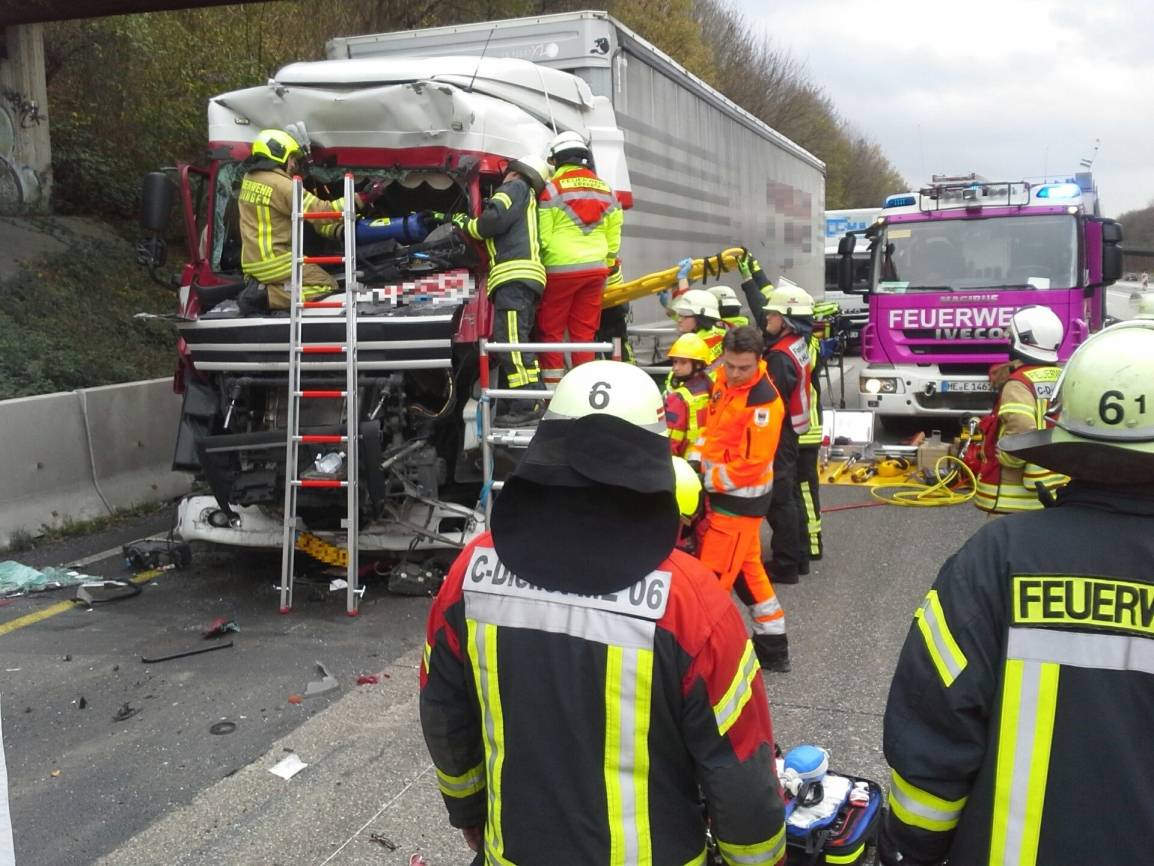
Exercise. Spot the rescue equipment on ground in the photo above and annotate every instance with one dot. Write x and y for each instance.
(831, 817)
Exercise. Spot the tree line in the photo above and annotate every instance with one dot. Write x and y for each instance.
(128, 93)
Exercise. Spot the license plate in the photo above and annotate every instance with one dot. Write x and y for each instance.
(967, 387)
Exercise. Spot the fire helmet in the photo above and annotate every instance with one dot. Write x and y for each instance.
(1036, 332)
(533, 169)
(690, 347)
(1104, 429)
(697, 302)
(276, 145)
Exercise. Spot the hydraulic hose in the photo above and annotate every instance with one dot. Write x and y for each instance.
(952, 475)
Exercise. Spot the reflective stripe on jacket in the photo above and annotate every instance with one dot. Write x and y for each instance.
(508, 225)
(265, 207)
(686, 407)
(736, 449)
(812, 437)
(1028, 670)
(1006, 483)
(795, 347)
(671, 703)
(580, 222)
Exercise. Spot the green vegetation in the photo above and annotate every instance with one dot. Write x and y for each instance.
(66, 322)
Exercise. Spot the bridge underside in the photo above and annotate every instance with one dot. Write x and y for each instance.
(33, 11)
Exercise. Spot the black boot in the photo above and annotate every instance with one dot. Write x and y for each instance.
(520, 413)
(772, 652)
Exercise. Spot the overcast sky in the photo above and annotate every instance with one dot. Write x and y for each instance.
(1007, 88)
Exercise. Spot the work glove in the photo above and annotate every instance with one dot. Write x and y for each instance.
(460, 220)
(373, 192)
(683, 268)
(746, 265)
(664, 297)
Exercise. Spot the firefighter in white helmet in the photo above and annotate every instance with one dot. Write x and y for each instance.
(508, 226)
(1028, 669)
(697, 312)
(788, 312)
(1007, 483)
(598, 649)
(580, 233)
(729, 306)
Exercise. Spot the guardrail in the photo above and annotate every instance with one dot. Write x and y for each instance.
(78, 455)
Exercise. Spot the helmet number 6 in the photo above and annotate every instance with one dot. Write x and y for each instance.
(599, 395)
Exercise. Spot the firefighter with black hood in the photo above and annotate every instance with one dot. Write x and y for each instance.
(583, 682)
(1024, 692)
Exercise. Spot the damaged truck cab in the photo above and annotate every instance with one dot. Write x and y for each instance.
(440, 132)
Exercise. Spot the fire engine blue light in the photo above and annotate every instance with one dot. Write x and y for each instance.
(1059, 190)
(900, 201)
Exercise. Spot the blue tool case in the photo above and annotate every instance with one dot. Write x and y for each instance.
(845, 835)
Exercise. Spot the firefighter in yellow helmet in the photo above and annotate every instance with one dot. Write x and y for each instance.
(687, 392)
(579, 583)
(265, 210)
(1028, 672)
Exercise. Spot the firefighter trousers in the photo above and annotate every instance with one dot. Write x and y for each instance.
(615, 326)
(571, 303)
(316, 282)
(809, 489)
(786, 517)
(731, 545)
(514, 311)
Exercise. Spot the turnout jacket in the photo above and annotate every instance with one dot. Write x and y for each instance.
(789, 366)
(580, 222)
(737, 447)
(1017, 726)
(578, 729)
(265, 208)
(1007, 483)
(686, 408)
(508, 227)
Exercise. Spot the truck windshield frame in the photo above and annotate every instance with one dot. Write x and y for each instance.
(1020, 252)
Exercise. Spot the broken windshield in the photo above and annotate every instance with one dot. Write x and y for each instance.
(1012, 252)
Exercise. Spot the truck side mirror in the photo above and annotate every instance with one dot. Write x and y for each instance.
(156, 202)
(845, 248)
(1111, 251)
(155, 208)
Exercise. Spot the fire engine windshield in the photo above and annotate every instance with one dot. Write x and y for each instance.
(1011, 252)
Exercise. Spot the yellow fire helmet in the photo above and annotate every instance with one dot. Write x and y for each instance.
(690, 347)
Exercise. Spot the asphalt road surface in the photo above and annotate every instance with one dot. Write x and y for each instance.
(114, 760)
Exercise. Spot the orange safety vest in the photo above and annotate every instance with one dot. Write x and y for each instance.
(736, 449)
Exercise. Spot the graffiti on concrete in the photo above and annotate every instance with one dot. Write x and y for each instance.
(20, 185)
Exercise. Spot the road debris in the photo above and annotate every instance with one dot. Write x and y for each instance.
(326, 683)
(222, 727)
(220, 627)
(19, 579)
(383, 840)
(288, 766)
(82, 704)
(295, 699)
(126, 711)
(192, 652)
(368, 680)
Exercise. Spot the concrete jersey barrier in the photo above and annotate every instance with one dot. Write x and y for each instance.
(77, 455)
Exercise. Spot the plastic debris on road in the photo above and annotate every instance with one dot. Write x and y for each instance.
(326, 683)
(288, 766)
(18, 579)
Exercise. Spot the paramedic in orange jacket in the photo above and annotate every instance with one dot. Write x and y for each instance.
(736, 455)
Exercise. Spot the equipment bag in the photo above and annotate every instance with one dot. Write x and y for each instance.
(844, 838)
(838, 830)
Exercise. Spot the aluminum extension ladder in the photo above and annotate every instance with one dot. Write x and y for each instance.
(515, 437)
(347, 351)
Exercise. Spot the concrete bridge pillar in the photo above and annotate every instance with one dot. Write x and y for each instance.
(25, 150)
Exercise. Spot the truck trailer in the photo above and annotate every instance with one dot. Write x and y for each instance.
(438, 114)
